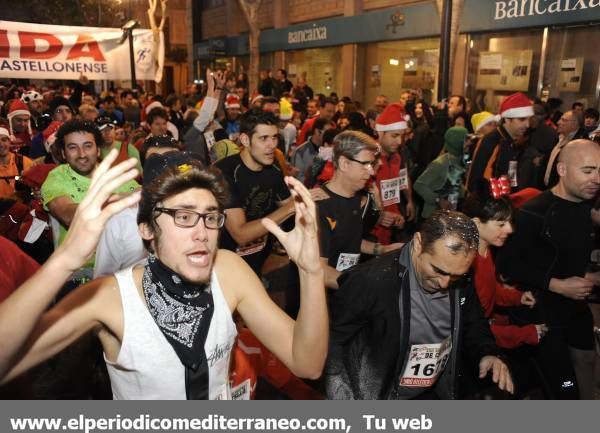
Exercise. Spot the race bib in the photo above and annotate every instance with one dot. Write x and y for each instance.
(36, 230)
(209, 137)
(252, 248)
(512, 173)
(425, 363)
(390, 191)
(346, 260)
(326, 153)
(403, 174)
(241, 391)
(453, 199)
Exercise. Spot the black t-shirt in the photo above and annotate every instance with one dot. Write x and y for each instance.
(571, 231)
(340, 229)
(258, 193)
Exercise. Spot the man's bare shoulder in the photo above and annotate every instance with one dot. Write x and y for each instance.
(236, 278)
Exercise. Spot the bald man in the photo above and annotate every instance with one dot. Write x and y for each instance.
(549, 253)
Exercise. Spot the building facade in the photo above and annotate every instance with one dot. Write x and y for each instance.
(362, 48)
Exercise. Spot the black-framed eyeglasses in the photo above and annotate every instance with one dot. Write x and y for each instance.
(63, 110)
(189, 218)
(366, 164)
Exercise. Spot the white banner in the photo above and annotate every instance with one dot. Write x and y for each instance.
(63, 52)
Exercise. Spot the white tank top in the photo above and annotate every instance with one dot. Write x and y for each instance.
(148, 368)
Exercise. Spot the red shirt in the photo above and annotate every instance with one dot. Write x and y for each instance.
(492, 292)
(305, 131)
(16, 267)
(389, 168)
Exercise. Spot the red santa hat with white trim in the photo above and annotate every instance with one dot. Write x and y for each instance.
(516, 105)
(232, 101)
(393, 118)
(18, 108)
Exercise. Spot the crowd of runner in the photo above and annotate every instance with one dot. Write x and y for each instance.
(236, 243)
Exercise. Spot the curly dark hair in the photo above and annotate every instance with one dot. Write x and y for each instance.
(77, 126)
(173, 181)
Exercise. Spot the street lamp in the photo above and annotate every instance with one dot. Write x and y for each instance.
(128, 33)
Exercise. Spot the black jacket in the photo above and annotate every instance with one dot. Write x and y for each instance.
(530, 256)
(483, 154)
(368, 341)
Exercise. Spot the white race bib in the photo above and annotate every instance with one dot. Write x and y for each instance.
(326, 153)
(390, 191)
(209, 137)
(36, 230)
(425, 363)
(453, 199)
(512, 173)
(241, 391)
(403, 179)
(346, 260)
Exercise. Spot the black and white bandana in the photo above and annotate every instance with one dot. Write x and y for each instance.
(183, 312)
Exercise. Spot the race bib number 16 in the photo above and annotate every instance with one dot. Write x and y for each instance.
(425, 362)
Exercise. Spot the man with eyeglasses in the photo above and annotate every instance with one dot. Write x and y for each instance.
(166, 328)
(569, 128)
(399, 324)
(342, 214)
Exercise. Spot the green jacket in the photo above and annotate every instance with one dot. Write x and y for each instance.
(430, 185)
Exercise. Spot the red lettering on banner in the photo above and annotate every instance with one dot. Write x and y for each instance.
(4, 45)
(28, 45)
(93, 50)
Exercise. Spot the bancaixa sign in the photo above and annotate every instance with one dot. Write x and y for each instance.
(481, 15)
(515, 9)
(308, 35)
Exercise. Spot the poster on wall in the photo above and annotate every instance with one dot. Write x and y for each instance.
(570, 74)
(375, 79)
(504, 70)
(419, 72)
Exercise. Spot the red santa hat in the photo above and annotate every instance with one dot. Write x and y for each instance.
(150, 106)
(232, 101)
(516, 105)
(393, 118)
(18, 108)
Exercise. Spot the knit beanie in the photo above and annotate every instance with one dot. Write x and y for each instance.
(454, 139)
(58, 101)
(483, 118)
(285, 111)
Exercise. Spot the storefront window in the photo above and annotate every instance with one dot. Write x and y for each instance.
(389, 67)
(319, 66)
(572, 66)
(501, 64)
